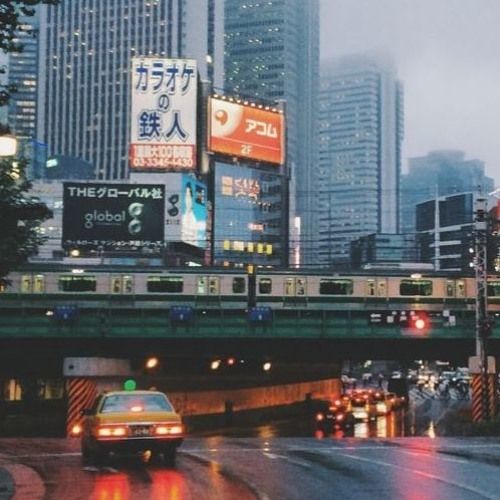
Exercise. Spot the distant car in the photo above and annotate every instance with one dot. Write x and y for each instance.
(363, 408)
(131, 422)
(384, 402)
(337, 415)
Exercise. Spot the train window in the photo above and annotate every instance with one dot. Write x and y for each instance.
(289, 286)
(494, 288)
(265, 286)
(213, 285)
(370, 288)
(450, 288)
(128, 284)
(77, 283)
(415, 287)
(460, 288)
(301, 286)
(116, 284)
(238, 285)
(26, 284)
(165, 284)
(202, 285)
(381, 288)
(332, 286)
(39, 285)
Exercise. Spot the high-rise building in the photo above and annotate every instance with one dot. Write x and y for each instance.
(437, 174)
(22, 76)
(358, 173)
(86, 48)
(271, 52)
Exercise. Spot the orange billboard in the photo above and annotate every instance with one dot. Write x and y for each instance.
(246, 131)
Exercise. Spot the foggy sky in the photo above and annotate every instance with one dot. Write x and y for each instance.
(448, 56)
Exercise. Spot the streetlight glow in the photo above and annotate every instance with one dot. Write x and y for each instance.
(8, 145)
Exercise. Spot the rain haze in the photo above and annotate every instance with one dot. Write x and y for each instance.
(447, 56)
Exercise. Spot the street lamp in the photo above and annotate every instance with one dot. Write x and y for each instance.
(8, 145)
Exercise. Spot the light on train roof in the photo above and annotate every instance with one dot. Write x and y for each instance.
(416, 276)
(77, 271)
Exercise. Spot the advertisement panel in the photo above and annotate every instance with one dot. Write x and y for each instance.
(113, 216)
(249, 221)
(246, 131)
(163, 114)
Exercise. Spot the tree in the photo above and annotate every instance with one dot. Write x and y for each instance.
(11, 14)
(20, 217)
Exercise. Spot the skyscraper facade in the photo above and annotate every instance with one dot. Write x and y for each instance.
(358, 173)
(438, 174)
(22, 76)
(271, 52)
(86, 48)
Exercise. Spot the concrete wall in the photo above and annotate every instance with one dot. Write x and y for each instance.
(209, 402)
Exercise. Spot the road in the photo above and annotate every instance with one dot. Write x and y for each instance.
(262, 468)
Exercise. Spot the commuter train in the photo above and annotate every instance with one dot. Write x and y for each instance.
(238, 289)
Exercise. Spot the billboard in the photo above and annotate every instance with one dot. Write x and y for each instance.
(249, 218)
(246, 132)
(163, 114)
(113, 216)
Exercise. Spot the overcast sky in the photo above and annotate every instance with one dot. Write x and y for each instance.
(448, 57)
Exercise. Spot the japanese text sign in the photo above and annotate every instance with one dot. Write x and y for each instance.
(163, 114)
(113, 216)
(246, 131)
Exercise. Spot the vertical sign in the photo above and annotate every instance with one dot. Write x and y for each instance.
(163, 120)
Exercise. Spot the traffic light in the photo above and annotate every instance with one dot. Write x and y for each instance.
(417, 321)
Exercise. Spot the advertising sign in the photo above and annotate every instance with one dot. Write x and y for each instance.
(246, 131)
(113, 216)
(163, 114)
(194, 212)
(248, 216)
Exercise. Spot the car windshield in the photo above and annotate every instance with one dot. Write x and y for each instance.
(116, 403)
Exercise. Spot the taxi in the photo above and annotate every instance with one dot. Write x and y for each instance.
(124, 422)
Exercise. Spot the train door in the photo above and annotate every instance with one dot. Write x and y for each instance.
(295, 287)
(376, 287)
(122, 284)
(208, 285)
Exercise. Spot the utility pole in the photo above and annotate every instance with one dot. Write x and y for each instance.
(481, 404)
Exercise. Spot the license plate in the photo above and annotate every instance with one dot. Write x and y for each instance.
(140, 431)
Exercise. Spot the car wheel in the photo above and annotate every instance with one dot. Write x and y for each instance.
(169, 456)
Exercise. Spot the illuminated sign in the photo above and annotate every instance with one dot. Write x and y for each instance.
(246, 131)
(113, 216)
(240, 186)
(163, 114)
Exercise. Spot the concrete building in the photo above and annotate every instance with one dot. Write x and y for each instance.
(271, 52)
(438, 174)
(358, 173)
(387, 250)
(444, 229)
(85, 55)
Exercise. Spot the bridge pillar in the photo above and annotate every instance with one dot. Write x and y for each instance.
(483, 389)
(85, 377)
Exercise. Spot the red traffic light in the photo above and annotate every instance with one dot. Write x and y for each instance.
(419, 322)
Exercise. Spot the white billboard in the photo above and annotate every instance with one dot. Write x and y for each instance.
(163, 114)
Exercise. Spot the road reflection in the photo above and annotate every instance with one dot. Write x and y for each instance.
(168, 484)
(111, 487)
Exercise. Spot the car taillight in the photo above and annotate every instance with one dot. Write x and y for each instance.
(163, 430)
(111, 431)
(340, 416)
(319, 417)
